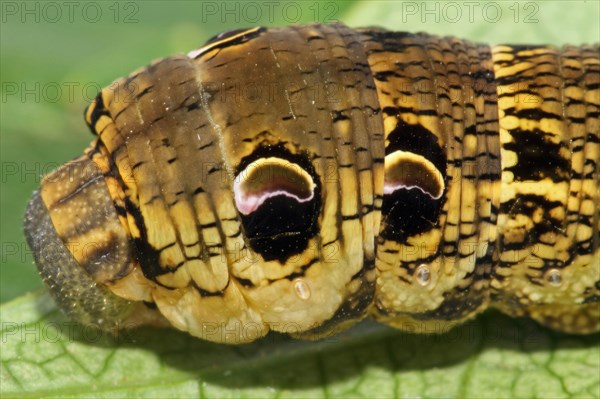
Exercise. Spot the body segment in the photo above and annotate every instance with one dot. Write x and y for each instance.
(549, 221)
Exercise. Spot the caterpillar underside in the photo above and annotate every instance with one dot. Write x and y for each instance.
(299, 179)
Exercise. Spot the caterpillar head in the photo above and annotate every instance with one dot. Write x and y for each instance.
(78, 243)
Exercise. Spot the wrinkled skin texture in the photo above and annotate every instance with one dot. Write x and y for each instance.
(300, 179)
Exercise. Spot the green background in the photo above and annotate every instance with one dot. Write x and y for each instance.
(50, 66)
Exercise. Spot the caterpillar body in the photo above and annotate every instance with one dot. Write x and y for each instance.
(299, 179)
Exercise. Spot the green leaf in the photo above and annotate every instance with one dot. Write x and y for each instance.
(45, 355)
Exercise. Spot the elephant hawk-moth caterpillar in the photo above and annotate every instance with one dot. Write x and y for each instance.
(299, 179)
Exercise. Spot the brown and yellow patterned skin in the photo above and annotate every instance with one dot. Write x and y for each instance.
(300, 179)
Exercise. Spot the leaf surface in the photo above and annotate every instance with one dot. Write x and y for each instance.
(45, 355)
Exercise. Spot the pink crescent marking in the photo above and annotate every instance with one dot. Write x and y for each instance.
(248, 203)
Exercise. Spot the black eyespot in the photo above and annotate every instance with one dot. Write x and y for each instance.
(278, 196)
(418, 140)
(415, 172)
